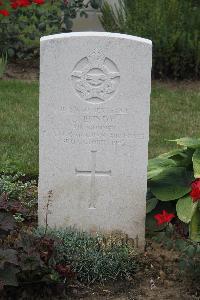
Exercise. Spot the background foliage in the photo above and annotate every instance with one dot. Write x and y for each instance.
(172, 25)
(20, 32)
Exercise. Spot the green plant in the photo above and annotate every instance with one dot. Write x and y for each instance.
(174, 184)
(3, 64)
(188, 252)
(95, 257)
(24, 258)
(14, 186)
(24, 24)
(172, 25)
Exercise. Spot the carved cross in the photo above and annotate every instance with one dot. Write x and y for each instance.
(93, 173)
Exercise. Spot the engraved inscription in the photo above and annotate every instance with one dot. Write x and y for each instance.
(95, 77)
(93, 172)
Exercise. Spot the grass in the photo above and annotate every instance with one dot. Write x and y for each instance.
(19, 126)
(175, 112)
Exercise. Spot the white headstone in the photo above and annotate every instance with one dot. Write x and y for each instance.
(94, 131)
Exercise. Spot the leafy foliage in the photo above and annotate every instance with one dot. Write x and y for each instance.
(172, 176)
(25, 258)
(29, 256)
(95, 257)
(189, 252)
(172, 25)
(171, 184)
(20, 32)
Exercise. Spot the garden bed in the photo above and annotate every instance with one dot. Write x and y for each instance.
(159, 278)
(84, 272)
(22, 71)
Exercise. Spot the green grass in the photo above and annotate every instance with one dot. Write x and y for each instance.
(19, 126)
(175, 112)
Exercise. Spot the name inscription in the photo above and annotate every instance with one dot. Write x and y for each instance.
(99, 126)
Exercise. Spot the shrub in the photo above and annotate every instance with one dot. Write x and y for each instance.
(21, 30)
(23, 22)
(172, 25)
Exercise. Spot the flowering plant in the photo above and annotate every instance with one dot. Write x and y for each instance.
(164, 217)
(174, 186)
(23, 22)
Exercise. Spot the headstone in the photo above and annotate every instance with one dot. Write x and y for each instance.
(94, 131)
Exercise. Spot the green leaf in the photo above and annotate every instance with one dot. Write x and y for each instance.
(171, 184)
(8, 256)
(151, 204)
(42, 26)
(186, 208)
(11, 52)
(158, 165)
(8, 275)
(7, 222)
(171, 153)
(96, 3)
(190, 251)
(182, 158)
(194, 227)
(180, 245)
(196, 163)
(188, 142)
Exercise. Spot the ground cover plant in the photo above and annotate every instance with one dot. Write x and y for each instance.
(29, 256)
(19, 121)
(172, 25)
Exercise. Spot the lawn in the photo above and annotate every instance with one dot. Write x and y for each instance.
(175, 112)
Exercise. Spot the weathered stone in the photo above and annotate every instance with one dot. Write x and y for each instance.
(94, 130)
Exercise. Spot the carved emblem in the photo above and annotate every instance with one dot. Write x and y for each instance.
(95, 77)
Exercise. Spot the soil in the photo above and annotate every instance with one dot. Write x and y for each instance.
(25, 70)
(29, 70)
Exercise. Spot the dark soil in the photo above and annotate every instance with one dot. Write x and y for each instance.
(25, 70)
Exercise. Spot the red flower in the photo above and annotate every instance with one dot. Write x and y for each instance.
(14, 5)
(20, 3)
(39, 2)
(164, 217)
(195, 193)
(4, 12)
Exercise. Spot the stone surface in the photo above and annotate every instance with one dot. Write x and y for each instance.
(92, 22)
(94, 130)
